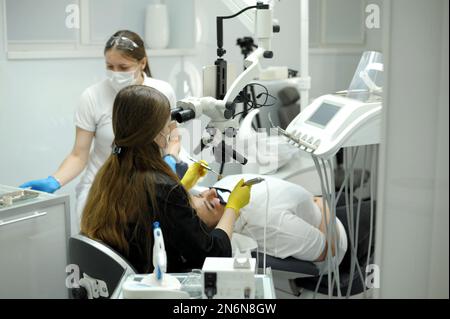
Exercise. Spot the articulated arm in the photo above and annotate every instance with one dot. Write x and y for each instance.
(252, 71)
(221, 111)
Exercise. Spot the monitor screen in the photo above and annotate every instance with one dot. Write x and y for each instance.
(324, 114)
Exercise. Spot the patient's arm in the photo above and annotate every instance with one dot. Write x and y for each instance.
(323, 228)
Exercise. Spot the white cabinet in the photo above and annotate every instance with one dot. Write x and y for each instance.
(33, 247)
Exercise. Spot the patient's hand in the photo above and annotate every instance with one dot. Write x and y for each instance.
(208, 207)
(323, 226)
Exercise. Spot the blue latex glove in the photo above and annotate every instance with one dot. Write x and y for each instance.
(48, 185)
(171, 161)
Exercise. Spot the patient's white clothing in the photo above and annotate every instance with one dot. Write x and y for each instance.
(292, 222)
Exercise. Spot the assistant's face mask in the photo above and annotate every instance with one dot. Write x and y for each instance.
(119, 80)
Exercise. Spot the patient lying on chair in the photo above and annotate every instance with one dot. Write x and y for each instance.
(296, 224)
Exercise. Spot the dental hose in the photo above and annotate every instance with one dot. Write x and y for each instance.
(265, 225)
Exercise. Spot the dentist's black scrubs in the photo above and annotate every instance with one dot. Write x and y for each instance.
(187, 240)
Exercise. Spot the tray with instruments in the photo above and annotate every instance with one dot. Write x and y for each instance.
(10, 198)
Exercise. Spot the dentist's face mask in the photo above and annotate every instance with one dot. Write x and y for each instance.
(166, 138)
(119, 80)
(163, 139)
(163, 142)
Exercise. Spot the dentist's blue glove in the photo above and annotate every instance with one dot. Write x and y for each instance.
(171, 161)
(178, 168)
(48, 185)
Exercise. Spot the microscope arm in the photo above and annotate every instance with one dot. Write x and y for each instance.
(252, 71)
(221, 111)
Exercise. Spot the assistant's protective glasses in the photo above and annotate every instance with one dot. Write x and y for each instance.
(121, 42)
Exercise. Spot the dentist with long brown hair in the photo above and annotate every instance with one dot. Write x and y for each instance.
(135, 187)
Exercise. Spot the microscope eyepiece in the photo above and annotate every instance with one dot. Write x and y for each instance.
(174, 112)
(184, 115)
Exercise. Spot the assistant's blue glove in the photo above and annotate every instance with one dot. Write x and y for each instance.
(48, 185)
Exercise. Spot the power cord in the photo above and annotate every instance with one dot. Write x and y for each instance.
(254, 104)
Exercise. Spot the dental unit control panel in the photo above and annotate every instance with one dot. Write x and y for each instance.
(332, 121)
(343, 119)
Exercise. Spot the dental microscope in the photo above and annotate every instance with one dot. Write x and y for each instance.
(221, 109)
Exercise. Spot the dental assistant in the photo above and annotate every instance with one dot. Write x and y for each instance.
(126, 64)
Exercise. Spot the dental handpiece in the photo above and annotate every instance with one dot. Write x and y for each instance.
(219, 176)
(253, 181)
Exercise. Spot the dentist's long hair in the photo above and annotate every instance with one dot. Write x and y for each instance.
(125, 184)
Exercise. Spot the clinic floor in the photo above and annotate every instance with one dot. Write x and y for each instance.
(307, 294)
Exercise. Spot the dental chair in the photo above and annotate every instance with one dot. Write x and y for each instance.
(356, 285)
(293, 275)
(101, 270)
